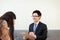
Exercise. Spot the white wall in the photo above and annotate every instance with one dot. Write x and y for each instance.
(23, 9)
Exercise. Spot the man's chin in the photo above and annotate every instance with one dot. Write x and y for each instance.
(35, 21)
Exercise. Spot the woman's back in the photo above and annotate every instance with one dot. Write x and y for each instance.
(4, 33)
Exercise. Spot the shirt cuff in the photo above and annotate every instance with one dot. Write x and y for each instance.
(35, 36)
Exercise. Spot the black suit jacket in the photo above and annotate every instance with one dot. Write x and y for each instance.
(41, 31)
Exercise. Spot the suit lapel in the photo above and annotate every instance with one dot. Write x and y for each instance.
(32, 26)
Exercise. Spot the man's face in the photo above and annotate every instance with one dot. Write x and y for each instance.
(35, 17)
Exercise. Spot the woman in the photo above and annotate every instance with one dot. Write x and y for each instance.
(4, 33)
(10, 18)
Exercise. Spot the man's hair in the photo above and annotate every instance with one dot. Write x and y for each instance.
(38, 12)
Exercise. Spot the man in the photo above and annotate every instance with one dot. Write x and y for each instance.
(37, 29)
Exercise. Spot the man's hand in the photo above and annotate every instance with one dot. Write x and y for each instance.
(32, 34)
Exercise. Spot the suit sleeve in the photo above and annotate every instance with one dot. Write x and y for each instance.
(44, 33)
(30, 28)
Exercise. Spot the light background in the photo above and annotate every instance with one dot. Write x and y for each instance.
(23, 9)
